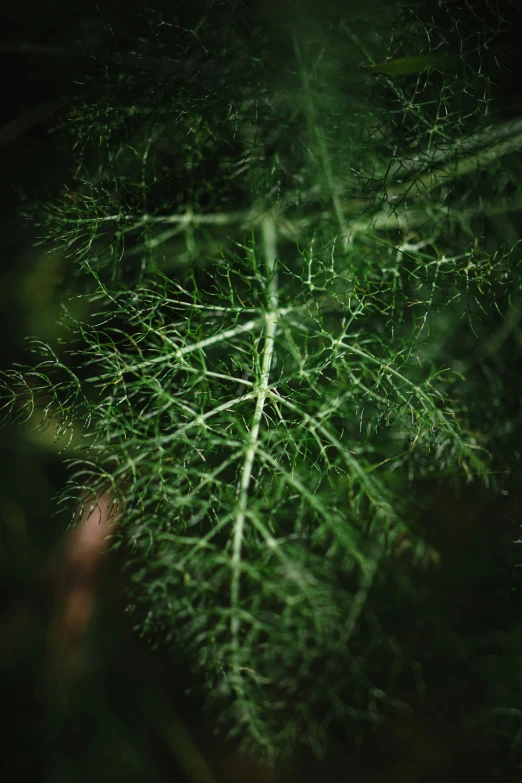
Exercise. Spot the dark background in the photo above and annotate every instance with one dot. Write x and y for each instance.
(123, 714)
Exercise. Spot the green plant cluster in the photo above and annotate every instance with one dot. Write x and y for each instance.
(278, 237)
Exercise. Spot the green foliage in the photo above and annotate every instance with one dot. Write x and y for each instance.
(277, 248)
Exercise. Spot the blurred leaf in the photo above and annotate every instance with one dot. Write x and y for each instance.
(407, 66)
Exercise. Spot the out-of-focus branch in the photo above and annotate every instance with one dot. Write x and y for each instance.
(77, 584)
(77, 594)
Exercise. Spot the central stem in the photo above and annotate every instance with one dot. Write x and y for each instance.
(269, 240)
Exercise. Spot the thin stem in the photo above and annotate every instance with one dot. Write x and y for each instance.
(270, 325)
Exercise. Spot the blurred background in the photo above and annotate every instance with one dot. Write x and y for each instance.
(84, 697)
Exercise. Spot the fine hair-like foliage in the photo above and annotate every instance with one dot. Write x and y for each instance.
(275, 225)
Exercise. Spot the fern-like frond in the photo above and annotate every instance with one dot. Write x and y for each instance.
(268, 253)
